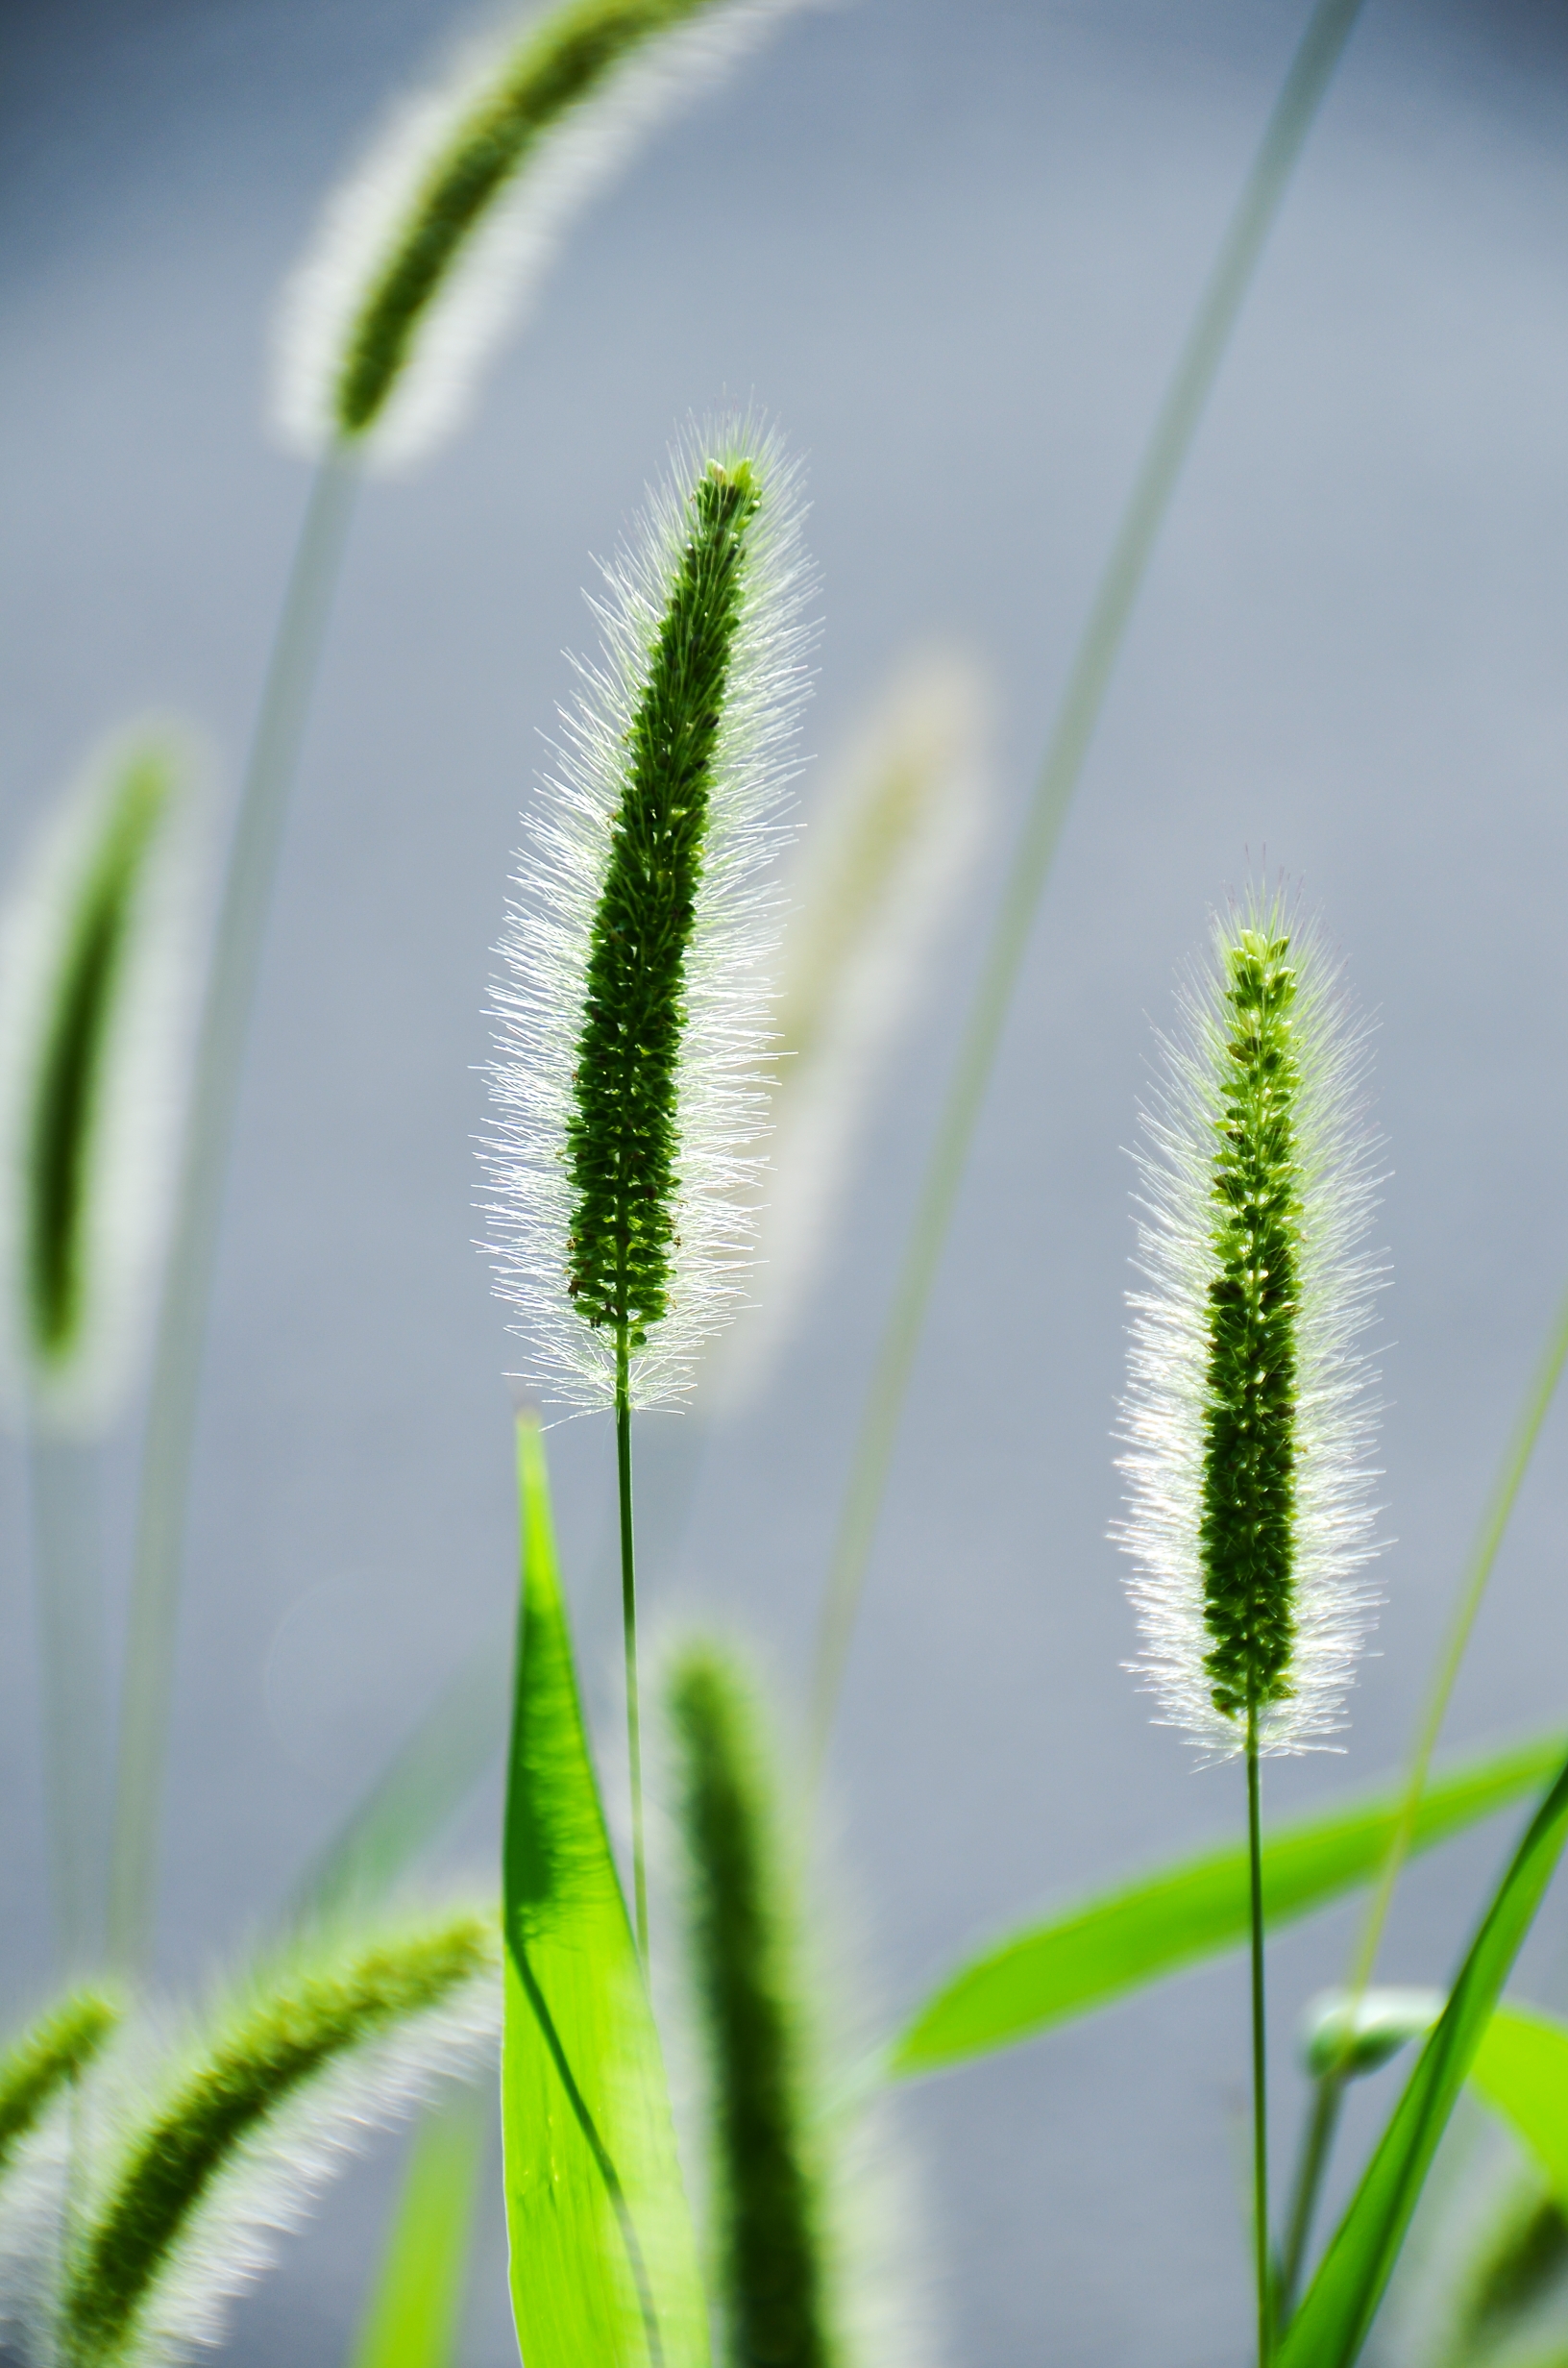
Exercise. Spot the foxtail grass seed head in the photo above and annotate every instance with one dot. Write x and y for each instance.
(887, 853)
(770, 2240)
(55, 2051)
(200, 2161)
(429, 251)
(98, 942)
(1247, 1419)
(634, 1005)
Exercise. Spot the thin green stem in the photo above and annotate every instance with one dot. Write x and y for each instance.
(1506, 1488)
(67, 1561)
(629, 1629)
(1327, 2099)
(1521, 1446)
(1259, 2055)
(176, 1382)
(1083, 696)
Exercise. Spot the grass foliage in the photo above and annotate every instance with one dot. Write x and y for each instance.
(141, 2181)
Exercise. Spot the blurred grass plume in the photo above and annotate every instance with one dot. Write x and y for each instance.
(430, 251)
(98, 950)
(891, 839)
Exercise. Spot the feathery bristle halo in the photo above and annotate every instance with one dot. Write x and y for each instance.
(1168, 1418)
(720, 990)
(431, 250)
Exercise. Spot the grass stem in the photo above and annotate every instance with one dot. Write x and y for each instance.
(1506, 1488)
(1083, 697)
(1259, 2056)
(628, 1630)
(1328, 2097)
(176, 1382)
(67, 1560)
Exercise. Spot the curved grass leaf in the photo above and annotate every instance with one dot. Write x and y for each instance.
(1332, 2325)
(1181, 1913)
(604, 2262)
(415, 2314)
(1521, 2069)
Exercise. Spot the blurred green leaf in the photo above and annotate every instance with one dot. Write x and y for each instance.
(604, 2262)
(1518, 2266)
(415, 2314)
(1521, 2069)
(1332, 2325)
(1154, 1926)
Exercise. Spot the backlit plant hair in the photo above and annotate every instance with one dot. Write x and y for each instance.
(232, 2138)
(428, 252)
(634, 1005)
(1247, 1419)
(633, 1012)
(1246, 1416)
(424, 255)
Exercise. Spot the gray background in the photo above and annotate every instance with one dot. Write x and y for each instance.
(952, 249)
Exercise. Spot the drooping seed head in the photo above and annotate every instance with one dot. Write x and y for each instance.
(54, 2051)
(428, 252)
(633, 1016)
(227, 2143)
(1246, 1417)
(97, 978)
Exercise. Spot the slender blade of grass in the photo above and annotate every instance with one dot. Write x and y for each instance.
(1144, 1930)
(413, 2317)
(1510, 1480)
(1088, 677)
(603, 2261)
(1335, 2317)
(169, 1439)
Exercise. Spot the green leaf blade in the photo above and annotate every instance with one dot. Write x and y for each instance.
(1181, 1913)
(603, 2261)
(1333, 2323)
(1521, 2069)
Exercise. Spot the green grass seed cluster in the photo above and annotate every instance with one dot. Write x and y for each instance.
(1249, 1424)
(560, 65)
(622, 1141)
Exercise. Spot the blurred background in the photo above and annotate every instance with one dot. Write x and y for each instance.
(952, 251)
